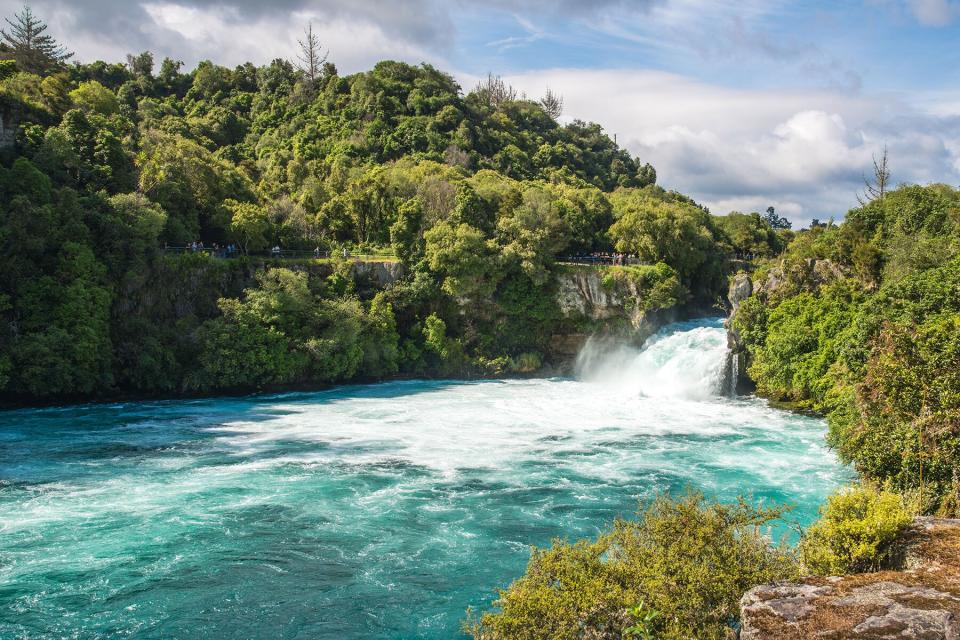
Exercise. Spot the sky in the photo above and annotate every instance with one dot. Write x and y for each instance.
(742, 104)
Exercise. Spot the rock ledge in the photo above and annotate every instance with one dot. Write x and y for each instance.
(921, 602)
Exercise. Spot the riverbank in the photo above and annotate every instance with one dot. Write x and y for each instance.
(918, 598)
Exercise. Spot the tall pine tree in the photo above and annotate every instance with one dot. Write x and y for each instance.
(30, 46)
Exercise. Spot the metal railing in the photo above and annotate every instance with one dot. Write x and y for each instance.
(280, 254)
(600, 260)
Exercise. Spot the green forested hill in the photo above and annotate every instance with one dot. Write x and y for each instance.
(475, 193)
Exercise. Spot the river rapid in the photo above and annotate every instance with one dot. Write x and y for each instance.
(378, 511)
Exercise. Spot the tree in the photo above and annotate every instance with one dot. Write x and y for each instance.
(464, 258)
(749, 233)
(675, 232)
(311, 61)
(93, 97)
(552, 103)
(141, 65)
(249, 224)
(494, 92)
(33, 50)
(877, 189)
(776, 222)
(646, 175)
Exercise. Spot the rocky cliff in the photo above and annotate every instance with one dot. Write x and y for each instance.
(921, 601)
(8, 130)
(595, 307)
(741, 288)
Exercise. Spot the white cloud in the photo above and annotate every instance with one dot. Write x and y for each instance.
(933, 13)
(217, 34)
(358, 33)
(804, 152)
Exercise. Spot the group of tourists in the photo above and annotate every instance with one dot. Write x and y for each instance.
(231, 250)
(620, 259)
(600, 257)
(215, 249)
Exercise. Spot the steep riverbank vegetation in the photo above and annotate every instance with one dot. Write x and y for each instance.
(861, 321)
(476, 194)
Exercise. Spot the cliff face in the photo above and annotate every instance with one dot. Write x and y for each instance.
(8, 130)
(778, 282)
(919, 602)
(741, 288)
(587, 303)
(380, 274)
(581, 294)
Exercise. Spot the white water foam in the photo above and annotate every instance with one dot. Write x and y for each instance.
(681, 361)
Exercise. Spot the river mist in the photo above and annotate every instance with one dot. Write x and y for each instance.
(377, 511)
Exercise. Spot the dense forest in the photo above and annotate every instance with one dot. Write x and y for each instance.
(861, 321)
(475, 194)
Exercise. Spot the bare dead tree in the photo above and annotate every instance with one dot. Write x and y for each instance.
(495, 92)
(552, 103)
(876, 189)
(312, 58)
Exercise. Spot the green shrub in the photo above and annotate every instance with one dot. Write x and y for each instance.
(803, 336)
(529, 362)
(688, 560)
(656, 286)
(855, 531)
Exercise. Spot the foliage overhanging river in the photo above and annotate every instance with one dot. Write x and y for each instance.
(367, 511)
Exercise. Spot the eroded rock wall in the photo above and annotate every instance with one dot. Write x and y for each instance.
(594, 307)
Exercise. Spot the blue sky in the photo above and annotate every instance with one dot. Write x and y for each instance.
(740, 103)
(876, 46)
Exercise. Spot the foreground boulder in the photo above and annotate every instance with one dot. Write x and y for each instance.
(919, 602)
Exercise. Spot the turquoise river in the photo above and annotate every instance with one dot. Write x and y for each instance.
(379, 511)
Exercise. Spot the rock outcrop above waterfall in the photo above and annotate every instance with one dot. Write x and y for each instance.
(594, 306)
(602, 307)
(919, 602)
(741, 288)
(582, 293)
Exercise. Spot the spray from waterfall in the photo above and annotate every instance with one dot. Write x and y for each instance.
(684, 360)
(734, 374)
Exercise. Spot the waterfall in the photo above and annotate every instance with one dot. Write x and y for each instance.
(734, 374)
(685, 359)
